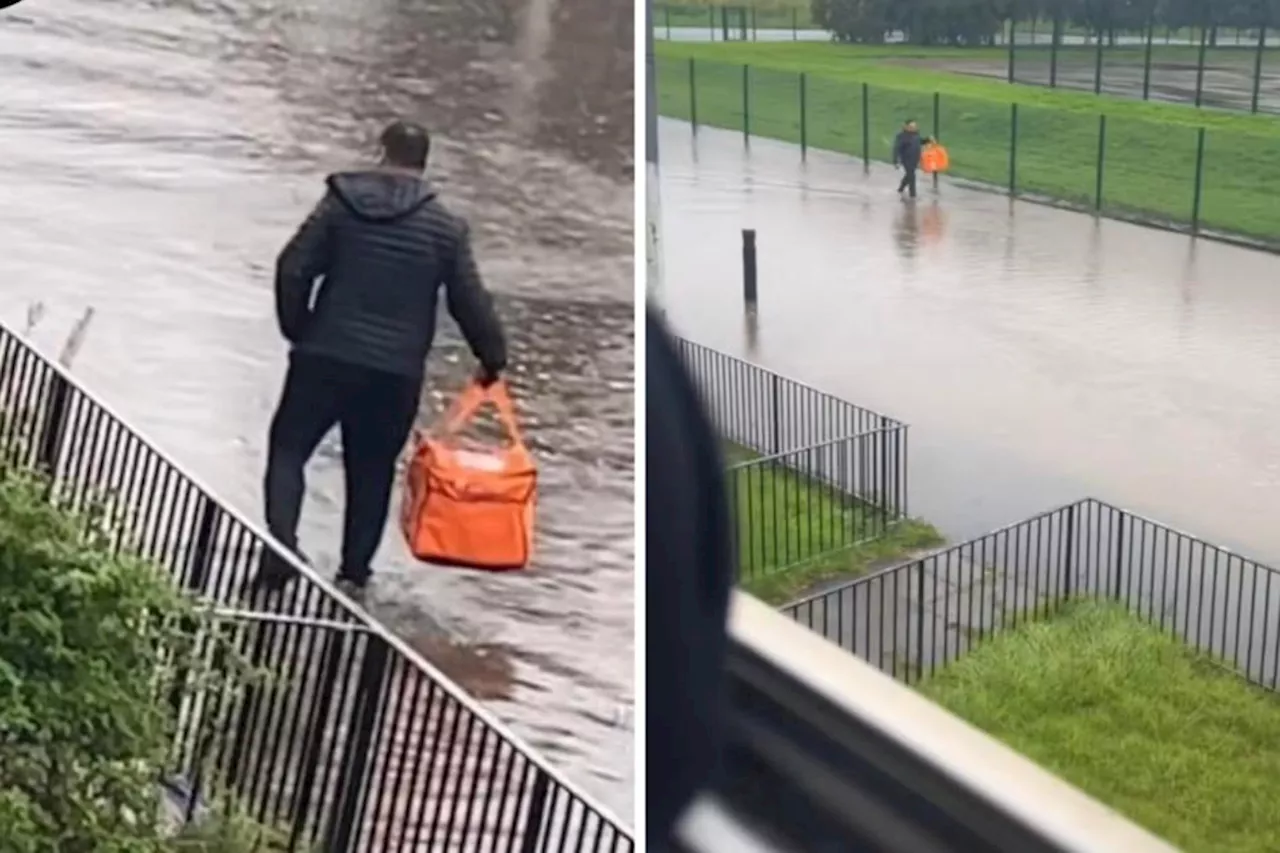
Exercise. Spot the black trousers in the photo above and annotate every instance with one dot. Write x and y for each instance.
(908, 180)
(375, 411)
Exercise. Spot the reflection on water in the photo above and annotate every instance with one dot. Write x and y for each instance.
(158, 154)
(1040, 355)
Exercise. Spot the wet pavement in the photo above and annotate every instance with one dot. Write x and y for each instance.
(1039, 355)
(158, 155)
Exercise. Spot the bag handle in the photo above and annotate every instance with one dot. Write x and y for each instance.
(469, 402)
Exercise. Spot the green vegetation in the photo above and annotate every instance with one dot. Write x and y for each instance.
(1149, 167)
(795, 532)
(91, 641)
(1134, 718)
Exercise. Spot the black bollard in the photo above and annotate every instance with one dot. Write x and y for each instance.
(749, 265)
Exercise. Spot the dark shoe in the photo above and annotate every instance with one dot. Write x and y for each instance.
(275, 572)
(352, 588)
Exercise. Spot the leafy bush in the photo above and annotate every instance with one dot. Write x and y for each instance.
(92, 639)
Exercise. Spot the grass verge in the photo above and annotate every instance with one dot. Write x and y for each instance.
(1134, 718)
(1149, 149)
(795, 532)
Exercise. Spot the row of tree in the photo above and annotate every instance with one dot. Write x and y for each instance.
(976, 22)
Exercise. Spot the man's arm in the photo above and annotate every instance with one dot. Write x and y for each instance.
(472, 307)
(304, 259)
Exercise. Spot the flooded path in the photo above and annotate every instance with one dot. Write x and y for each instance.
(1039, 355)
(157, 156)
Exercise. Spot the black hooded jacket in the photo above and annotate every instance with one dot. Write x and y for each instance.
(360, 280)
(907, 148)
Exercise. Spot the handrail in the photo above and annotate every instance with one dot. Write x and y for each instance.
(375, 628)
(878, 762)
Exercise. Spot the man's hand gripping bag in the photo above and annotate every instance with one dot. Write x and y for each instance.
(468, 504)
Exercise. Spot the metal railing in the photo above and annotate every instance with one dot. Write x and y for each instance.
(1086, 161)
(822, 752)
(914, 618)
(810, 474)
(353, 741)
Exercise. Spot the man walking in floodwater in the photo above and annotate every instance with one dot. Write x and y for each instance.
(907, 147)
(356, 296)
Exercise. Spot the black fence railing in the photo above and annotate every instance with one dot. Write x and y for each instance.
(809, 474)
(351, 741)
(911, 619)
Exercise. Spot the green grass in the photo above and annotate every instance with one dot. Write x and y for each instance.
(795, 532)
(1150, 151)
(1134, 718)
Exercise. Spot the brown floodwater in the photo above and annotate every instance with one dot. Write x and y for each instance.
(158, 154)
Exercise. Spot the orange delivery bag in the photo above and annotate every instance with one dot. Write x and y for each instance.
(934, 158)
(468, 504)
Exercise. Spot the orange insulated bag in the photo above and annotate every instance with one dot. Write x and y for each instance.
(934, 158)
(467, 504)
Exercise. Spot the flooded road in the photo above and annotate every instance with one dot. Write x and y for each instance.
(157, 156)
(1039, 355)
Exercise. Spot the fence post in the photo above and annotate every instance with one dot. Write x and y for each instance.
(693, 94)
(1102, 159)
(1257, 66)
(755, 30)
(746, 105)
(1119, 579)
(1013, 149)
(1053, 49)
(1097, 63)
(1146, 60)
(1195, 198)
(866, 128)
(531, 842)
(775, 392)
(724, 22)
(749, 266)
(1204, 46)
(1069, 569)
(1013, 31)
(804, 137)
(359, 748)
(937, 121)
(920, 610)
(54, 426)
(666, 14)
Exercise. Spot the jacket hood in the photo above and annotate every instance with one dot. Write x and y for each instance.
(380, 195)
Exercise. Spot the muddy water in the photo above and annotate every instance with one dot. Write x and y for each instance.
(1040, 356)
(157, 155)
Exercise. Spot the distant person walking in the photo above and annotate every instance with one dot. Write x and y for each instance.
(907, 147)
(356, 297)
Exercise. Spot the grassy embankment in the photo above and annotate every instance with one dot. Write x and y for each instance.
(1134, 718)
(784, 516)
(1150, 151)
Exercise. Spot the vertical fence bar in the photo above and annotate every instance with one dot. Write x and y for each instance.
(866, 128)
(1257, 66)
(1013, 36)
(1056, 40)
(795, 24)
(693, 94)
(1069, 568)
(666, 15)
(1204, 47)
(755, 29)
(937, 132)
(1146, 60)
(749, 293)
(1013, 148)
(1102, 159)
(355, 762)
(746, 105)
(1195, 198)
(55, 422)
(1097, 62)
(804, 136)
(775, 394)
(724, 22)
(537, 816)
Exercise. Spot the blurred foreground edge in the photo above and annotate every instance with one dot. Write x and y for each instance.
(824, 752)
